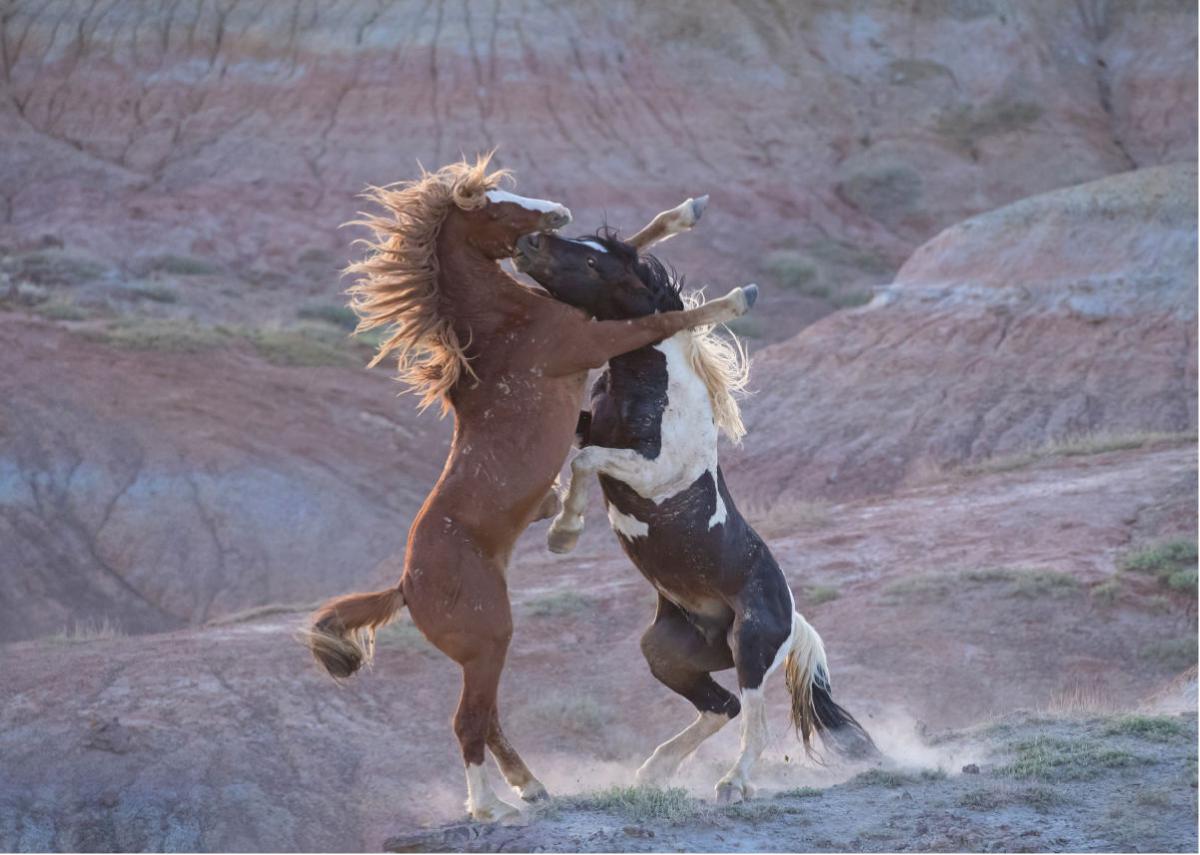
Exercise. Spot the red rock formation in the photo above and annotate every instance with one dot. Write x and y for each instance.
(837, 138)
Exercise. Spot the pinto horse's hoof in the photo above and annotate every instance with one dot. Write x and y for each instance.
(698, 206)
(729, 793)
(751, 294)
(561, 540)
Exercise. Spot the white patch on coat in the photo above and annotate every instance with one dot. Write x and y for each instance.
(687, 433)
(542, 206)
(593, 245)
(626, 525)
(482, 802)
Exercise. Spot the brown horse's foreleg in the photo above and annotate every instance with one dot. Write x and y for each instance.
(512, 767)
(669, 223)
(591, 344)
(472, 723)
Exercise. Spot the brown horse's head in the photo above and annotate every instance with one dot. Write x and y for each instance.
(492, 220)
(599, 274)
(396, 285)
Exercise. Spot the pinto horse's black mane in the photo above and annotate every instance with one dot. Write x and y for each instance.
(659, 278)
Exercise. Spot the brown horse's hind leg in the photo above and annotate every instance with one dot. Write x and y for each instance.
(512, 767)
(472, 725)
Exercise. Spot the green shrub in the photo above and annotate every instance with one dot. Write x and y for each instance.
(559, 604)
(163, 335)
(640, 804)
(183, 265)
(342, 317)
(1052, 759)
(1153, 728)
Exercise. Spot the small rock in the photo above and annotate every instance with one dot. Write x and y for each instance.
(970, 769)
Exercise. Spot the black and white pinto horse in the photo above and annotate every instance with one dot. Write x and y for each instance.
(651, 436)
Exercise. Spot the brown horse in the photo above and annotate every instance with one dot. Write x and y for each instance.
(510, 362)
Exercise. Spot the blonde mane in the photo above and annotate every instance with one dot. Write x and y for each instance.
(724, 366)
(397, 282)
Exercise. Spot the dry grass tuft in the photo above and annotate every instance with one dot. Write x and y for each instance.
(788, 516)
(86, 631)
(1075, 446)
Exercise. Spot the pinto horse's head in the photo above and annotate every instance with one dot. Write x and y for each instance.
(493, 220)
(599, 274)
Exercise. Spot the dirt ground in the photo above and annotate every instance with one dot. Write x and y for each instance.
(951, 605)
(1031, 784)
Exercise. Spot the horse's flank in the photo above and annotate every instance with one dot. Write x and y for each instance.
(724, 366)
(397, 284)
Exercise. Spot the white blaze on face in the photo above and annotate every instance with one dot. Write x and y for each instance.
(541, 206)
(593, 245)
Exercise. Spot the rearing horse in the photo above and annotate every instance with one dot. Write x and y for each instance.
(511, 364)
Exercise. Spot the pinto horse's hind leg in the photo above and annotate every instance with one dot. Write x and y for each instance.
(681, 658)
(760, 643)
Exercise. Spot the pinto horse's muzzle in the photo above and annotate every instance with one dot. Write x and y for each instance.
(527, 251)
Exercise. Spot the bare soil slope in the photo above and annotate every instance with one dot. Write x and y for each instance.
(1061, 315)
(834, 140)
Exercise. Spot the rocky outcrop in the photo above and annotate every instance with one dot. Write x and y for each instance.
(833, 140)
(1065, 314)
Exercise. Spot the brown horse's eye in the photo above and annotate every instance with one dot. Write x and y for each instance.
(591, 262)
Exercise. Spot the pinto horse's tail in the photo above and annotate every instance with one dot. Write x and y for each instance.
(342, 634)
(813, 709)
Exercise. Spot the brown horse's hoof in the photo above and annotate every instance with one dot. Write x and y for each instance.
(729, 793)
(534, 792)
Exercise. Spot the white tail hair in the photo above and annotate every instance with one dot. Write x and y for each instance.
(805, 671)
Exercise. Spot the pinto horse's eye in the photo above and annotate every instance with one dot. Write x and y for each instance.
(591, 261)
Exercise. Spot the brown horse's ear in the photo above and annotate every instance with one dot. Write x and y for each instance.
(469, 199)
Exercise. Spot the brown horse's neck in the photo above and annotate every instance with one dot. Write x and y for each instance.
(474, 292)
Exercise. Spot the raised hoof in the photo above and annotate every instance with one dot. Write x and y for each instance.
(698, 206)
(729, 794)
(562, 540)
(751, 294)
(534, 793)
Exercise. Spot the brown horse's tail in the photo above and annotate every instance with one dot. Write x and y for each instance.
(813, 709)
(342, 634)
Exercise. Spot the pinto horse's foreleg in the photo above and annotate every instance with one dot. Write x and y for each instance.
(568, 525)
(681, 658)
(667, 224)
(761, 638)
